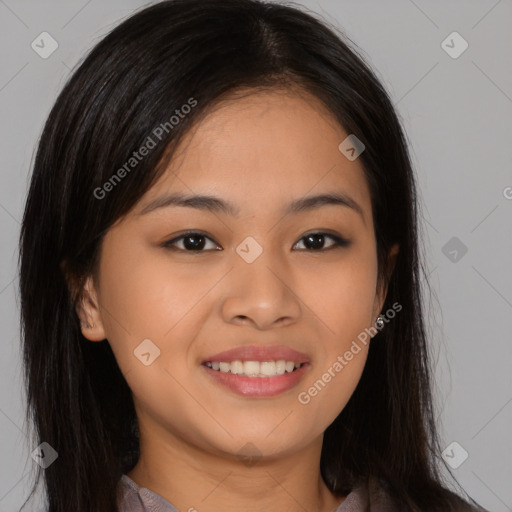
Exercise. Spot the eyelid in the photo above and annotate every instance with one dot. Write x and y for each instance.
(169, 244)
(340, 241)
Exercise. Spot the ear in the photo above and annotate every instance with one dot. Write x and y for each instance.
(382, 289)
(89, 311)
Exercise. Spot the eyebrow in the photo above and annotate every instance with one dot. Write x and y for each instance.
(218, 205)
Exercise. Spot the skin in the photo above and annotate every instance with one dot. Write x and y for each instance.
(259, 152)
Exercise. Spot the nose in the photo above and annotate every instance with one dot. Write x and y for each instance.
(260, 294)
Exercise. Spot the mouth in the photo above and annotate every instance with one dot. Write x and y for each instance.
(255, 369)
(256, 379)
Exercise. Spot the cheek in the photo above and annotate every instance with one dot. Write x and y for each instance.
(329, 389)
(136, 302)
(144, 295)
(151, 311)
(343, 295)
(343, 301)
(345, 307)
(147, 298)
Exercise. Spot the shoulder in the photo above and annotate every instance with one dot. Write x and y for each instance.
(367, 496)
(128, 499)
(380, 500)
(132, 498)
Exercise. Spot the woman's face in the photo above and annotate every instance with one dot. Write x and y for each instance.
(254, 280)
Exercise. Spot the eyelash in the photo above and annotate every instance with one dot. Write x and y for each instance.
(339, 242)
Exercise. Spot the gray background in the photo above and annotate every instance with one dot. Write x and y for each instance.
(458, 117)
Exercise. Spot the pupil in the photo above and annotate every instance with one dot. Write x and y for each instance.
(311, 239)
(197, 242)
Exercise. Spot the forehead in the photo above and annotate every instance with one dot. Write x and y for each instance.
(260, 149)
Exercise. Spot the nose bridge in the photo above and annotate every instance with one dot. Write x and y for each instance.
(259, 289)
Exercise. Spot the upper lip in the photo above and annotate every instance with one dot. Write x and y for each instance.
(258, 353)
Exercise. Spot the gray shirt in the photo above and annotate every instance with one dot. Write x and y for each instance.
(133, 498)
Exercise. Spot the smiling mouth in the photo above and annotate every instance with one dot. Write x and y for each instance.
(255, 368)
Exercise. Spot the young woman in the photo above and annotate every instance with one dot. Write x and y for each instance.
(220, 275)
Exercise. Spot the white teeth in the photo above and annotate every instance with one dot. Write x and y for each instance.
(237, 367)
(255, 368)
(268, 368)
(251, 368)
(280, 366)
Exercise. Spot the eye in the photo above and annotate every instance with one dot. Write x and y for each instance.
(196, 241)
(192, 241)
(315, 241)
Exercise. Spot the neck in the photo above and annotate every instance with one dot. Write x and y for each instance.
(194, 479)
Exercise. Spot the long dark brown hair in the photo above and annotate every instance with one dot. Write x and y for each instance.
(131, 83)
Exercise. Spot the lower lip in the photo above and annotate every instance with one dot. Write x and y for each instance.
(258, 386)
